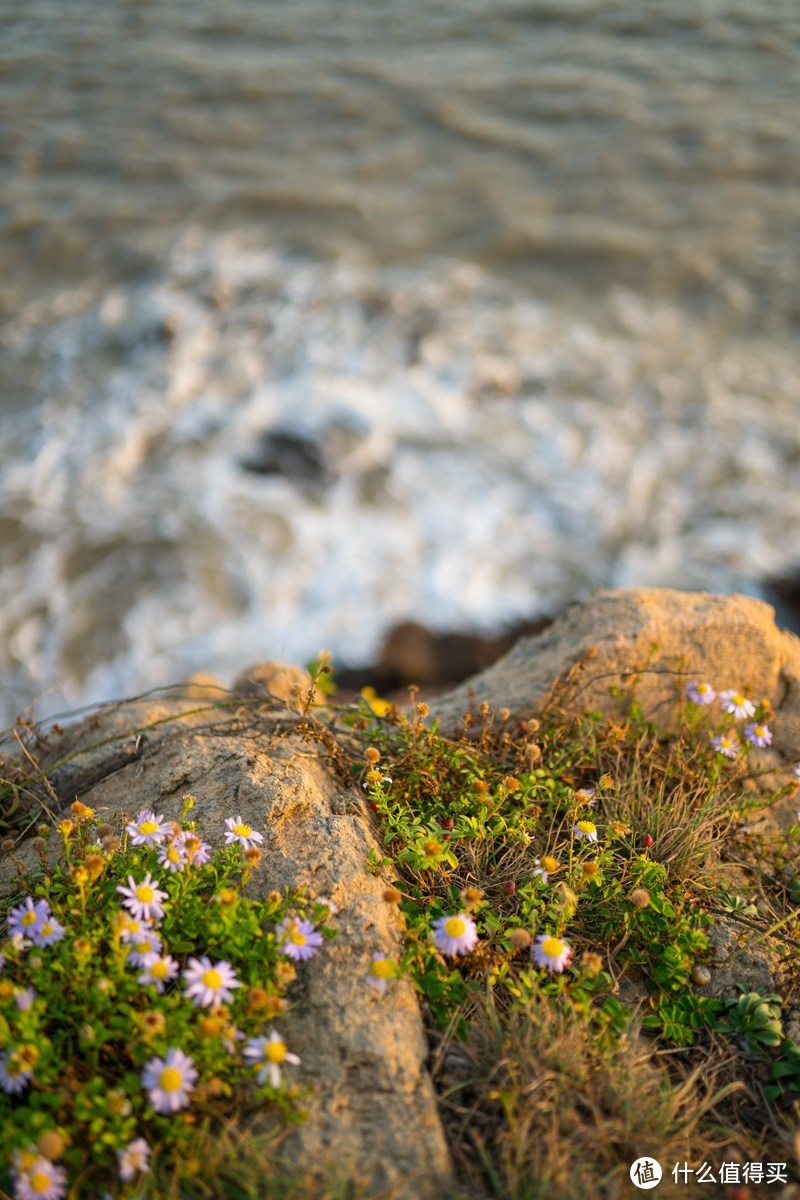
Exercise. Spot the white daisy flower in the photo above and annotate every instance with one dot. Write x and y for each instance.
(131, 930)
(134, 1160)
(42, 1180)
(172, 856)
(725, 743)
(551, 952)
(237, 830)
(197, 851)
(585, 829)
(381, 970)
(269, 1054)
(209, 983)
(143, 899)
(27, 918)
(158, 970)
(49, 932)
(148, 829)
(168, 1081)
(14, 1077)
(736, 704)
(24, 998)
(455, 935)
(148, 942)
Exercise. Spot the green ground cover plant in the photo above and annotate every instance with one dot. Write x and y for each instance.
(556, 880)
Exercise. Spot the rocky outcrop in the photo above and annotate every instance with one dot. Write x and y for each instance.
(649, 639)
(373, 1115)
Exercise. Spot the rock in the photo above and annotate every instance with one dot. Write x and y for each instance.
(296, 457)
(654, 639)
(276, 681)
(373, 1116)
(740, 961)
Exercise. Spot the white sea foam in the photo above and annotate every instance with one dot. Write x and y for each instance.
(490, 458)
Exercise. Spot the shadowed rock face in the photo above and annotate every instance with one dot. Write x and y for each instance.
(373, 1116)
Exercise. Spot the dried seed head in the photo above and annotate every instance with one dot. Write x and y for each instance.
(372, 754)
(422, 709)
(505, 713)
(256, 998)
(591, 963)
(253, 855)
(520, 939)
(392, 896)
(590, 868)
(640, 898)
(51, 1145)
(511, 782)
(480, 786)
(533, 752)
(471, 898)
(431, 848)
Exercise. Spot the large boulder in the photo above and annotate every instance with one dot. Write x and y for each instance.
(649, 639)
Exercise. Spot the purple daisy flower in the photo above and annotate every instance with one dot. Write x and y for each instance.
(758, 735)
(700, 693)
(298, 939)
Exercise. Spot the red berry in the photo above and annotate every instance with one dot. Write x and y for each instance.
(446, 837)
(509, 887)
(373, 806)
(647, 841)
(448, 824)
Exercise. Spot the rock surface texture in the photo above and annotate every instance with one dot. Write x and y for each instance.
(650, 638)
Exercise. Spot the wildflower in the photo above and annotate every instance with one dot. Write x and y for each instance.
(725, 743)
(148, 943)
(147, 830)
(158, 970)
(24, 998)
(432, 849)
(736, 704)
(197, 851)
(586, 796)
(230, 1036)
(700, 693)
(168, 1081)
(471, 898)
(49, 932)
(551, 952)
(331, 907)
(151, 1023)
(545, 868)
(172, 856)
(209, 983)
(381, 970)
(143, 899)
(299, 939)
(236, 830)
(585, 829)
(252, 856)
(796, 771)
(619, 828)
(226, 896)
(758, 735)
(285, 974)
(94, 864)
(14, 1074)
(28, 917)
(81, 812)
(129, 928)
(455, 935)
(42, 1180)
(269, 1054)
(591, 963)
(134, 1160)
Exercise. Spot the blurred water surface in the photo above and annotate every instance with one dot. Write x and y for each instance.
(526, 273)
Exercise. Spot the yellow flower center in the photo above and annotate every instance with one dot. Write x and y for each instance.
(275, 1052)
(242, 830)
(46, 929)
(170, 1079)
(145, 894)
(212, 979)
(173, 854)
(159, 970)
(382, 968)
(298, 938)
(702, 688)
(148, 827)
(40, 1182)
(552, 947)
(738, 699)
(549, 863)
(587, 827)
(455, 927)
(758, 730)
(29, 919)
